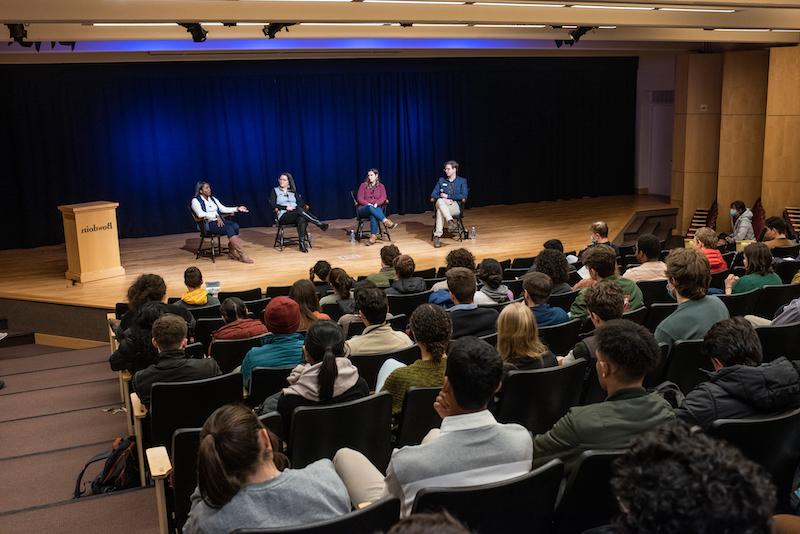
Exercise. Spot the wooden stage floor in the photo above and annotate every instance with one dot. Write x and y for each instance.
(503, 232)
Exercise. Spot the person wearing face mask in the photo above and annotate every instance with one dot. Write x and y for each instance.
(742, 222)
(598, 235)
(371, 198)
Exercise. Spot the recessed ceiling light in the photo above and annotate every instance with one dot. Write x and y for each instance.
(787, 31)
(606, 27)
(421, 2)
(513, 4)
(629, 8)
(425, 24)
(569, 27)
(696, 10)
(740, 29)
(211, 24)
(115, 24)
(349, 24)
(509, 25)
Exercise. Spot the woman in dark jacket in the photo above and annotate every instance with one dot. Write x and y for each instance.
(290, 208)
(406, 282)
(136, 350)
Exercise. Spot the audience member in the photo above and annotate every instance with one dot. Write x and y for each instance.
(384, 277)
(705, 240)
(741, 386)
(284, 347)
(238, 324)
(150, 288)
(196, 295)
(788, 314)
(318, 275)
(169, 338)
(493, 291)
(537, 288)
(674, 480)
(556, 244)
(742, 222)
(405, 281)
(605, 302)
(468, 319)
(518, 341)
(598, 235)
(306, 296)
(459, 257)
(602, 263)
(240, 483)
(471, 447)
(688, 276)
(775, 234)
(349, 318)
(378, 336)
(553, 264)
(342, 287)
(758, 269)
(326, 377)
(625, 352)
(136, 350)
(429, 523)
(651, 268)
(431, 327)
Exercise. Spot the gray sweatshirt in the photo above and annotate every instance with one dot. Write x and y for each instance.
(295, 497)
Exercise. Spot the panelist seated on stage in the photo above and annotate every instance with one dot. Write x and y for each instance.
(290, 208)
(371, 198)
(207, 207)
(447, 194)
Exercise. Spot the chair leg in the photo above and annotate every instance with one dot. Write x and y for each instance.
(199, 248)
(359, 227)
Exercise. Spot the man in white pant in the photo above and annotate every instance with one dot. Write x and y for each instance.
(447, 194)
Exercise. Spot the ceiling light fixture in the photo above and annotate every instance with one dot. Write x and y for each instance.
(695, 10)
(512, 4)
(349, 24)
(143, 24)
(628, 8)
(740, 29)
(509, 26)
(420, 2)
(436, 25)
(606, 27)
(786, 31)
(197, 32)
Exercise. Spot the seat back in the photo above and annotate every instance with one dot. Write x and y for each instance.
(426, 273)
(515, 286)
(773, 442)
(786, 270)
(657, 313)
(527, 500)
(379, 516)
(564, 300)
(120, 309)
(319, 431)
(430, 282)
(538, 398)
(205, 312)
(176, 405)
(277, 291)
(257, 306)
(773, 297)
(418, 416)
(786, 252)
(368, 365)
(247, 294)
(332, 310)
(203, 328)
(513, 274)
(229, 353)
(588, 501)
(654, 291)
(561, 338)
(777, 341)
(195, 350)
(740, 304)
(491, 339)
(523, 263)
(266, 381)
(406, 304)
(685, 362)
(638, 315)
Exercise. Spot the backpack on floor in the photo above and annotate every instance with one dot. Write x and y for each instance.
(121, 470)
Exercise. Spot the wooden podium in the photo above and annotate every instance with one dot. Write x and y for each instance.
(90, 233)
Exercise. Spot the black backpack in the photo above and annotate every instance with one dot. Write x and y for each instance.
(121, 470)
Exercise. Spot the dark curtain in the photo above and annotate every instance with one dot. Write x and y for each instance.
(142, 134)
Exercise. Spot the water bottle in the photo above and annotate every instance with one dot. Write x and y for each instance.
(473, 233)
(352, 237)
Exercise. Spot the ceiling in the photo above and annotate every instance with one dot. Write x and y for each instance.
(149, 27)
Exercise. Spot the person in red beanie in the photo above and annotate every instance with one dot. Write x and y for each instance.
(284, 348)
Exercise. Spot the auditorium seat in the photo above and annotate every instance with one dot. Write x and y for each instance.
(637, 316)
(777, 341)
(786, 252)
(247, 294)
(277, 291)
(205, 312)
(203, 328)
(406, 304)
(561, 338)
(229, 353)
(740, 304)
(368, 365)
(564, 300)
(429, 282)
(684, 364)
(266, 381)
(513, 274)
(491, 339)
(523, 263)
(397, 322)
(654, 291)
(426, 273)
(332, 310)
(418, 416)
(257, 306)
(718, 279)
(786, 270)
(773, 297)
(657, 313)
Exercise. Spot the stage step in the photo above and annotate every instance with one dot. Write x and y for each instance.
(14, 339)
(659, 222)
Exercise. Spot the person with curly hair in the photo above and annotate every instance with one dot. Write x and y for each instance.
(674, 480)
(493, 291)
(554, 264)
(150, 288)
(431, 327)
(459, 257)
(758, 269)
(625, 352)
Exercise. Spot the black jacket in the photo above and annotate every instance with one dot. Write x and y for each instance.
(741, 391)
(404, 286)
(477, 322)
(135, 351)
(173, 366)
(129, 319)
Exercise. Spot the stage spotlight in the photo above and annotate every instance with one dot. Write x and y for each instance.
(18, 33)
(196, 30)
(578, 33)
(559, 43)
(271, 29)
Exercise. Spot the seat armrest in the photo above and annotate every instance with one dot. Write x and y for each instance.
(158, 460)
(125, 375)
(139, 409)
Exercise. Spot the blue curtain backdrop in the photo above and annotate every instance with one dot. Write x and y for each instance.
(142, 134)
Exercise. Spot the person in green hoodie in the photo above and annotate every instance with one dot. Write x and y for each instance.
(602, 264)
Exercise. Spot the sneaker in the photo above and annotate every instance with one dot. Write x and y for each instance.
(437, 242)
(452, 225)
(324, 227)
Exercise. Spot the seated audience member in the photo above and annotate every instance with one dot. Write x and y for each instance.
(741, 222)
(775, 234)
(471, 447)
(318, 275)
(493, 290)
(556, 244)
(785, 315)
(378, 336)
(240, 483)
(598, 234)
(625, 352)
(468, 319)
(537, 288)
(405, 282)
(284, 347)
(674, 480)
(602, 264)
(605, 302)
(431, 327)
(304, 294)
(326, 377)
(741, 386)
(384, 277)
(196, 295)
(169, 337)
(349, 318)
(150, 288)
(705, 240)
(459, 257)
(429, 523)
(342, 287)
(237, 323)
(518, 341)
(758, 271)
(136, 350)
(648, 251)
(688, 277)
(553, 264)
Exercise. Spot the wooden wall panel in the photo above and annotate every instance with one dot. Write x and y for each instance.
(784, 81)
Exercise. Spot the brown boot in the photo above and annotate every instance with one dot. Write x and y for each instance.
(388, 223)
(232, 252)
(372, 239)
(240, 253)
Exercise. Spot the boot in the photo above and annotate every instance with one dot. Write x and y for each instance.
(241, 255)
(388, 223)
(372, 239)
(301, 244)
(232, 253)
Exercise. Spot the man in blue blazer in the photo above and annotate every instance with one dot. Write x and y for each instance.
(448, 192)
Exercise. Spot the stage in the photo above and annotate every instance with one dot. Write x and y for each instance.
(504, 231)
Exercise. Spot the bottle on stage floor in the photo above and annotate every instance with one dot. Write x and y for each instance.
(473, 233)
(352, 237)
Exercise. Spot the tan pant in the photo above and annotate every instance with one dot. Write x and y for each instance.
(757, 321)
(444, 211)
(363, 481)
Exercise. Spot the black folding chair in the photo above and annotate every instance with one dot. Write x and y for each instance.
(564, 300)
(777, 341)
(740, 304)
(214, 249)
(229, 353)
(654, 291)
(588, 501)
(657, 313)
(418, 416)
(773, 297)
(361, 221)
(561, 338)
(685, 362)
(406, 304)
(266, 381)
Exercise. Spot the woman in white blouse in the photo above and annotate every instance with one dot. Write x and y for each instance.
(207, 207)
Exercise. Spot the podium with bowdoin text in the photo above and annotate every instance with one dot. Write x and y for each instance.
(90, 234)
